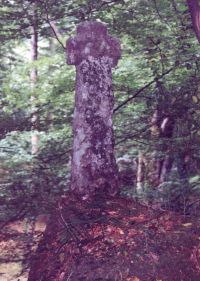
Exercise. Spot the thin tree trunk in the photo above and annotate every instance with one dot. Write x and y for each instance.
(166, 168)
(154, 165)
(140, 173)
(182, 167)
(166, 133)
(34, 78)
(162, 161)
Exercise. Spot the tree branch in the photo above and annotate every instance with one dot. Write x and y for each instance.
(53, 28)
(142, 89)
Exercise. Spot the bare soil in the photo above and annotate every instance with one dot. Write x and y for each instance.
(17, 242)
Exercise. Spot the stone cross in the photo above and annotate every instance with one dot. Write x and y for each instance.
(94, 53)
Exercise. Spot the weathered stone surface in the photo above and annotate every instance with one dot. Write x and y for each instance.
(94, 53)
(92, 40)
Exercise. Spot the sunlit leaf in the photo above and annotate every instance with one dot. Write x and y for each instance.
(187, 224)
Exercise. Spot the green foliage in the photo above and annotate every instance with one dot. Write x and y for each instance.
(33, 185)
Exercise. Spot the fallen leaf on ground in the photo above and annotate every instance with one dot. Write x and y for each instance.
(187, 224)
(133, 279)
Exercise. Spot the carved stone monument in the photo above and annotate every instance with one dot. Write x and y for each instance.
(94, 53)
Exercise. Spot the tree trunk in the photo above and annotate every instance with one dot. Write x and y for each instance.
(195, 15)
(166, 168)
(182, 167)
(94, 53)
(162, 127)
(34, 78)
(140, 173)
(154, 165)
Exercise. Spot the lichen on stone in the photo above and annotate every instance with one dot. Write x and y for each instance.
(93, 162)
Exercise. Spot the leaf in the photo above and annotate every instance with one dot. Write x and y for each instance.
(133, 279)
(187, 224)
(125, 253)
(62, 257)
(195, 99)
(194, 179)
